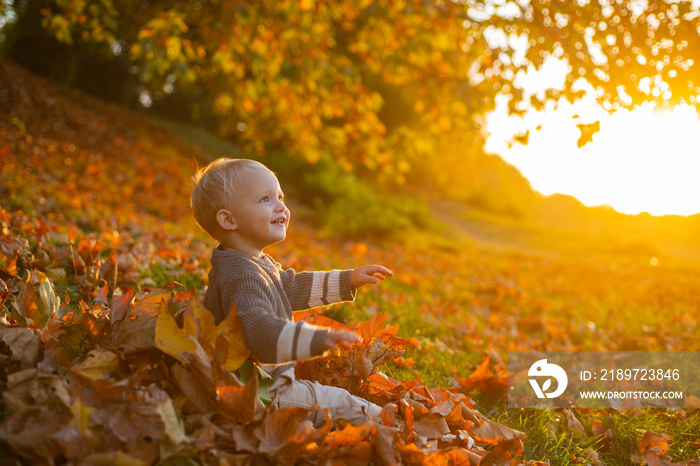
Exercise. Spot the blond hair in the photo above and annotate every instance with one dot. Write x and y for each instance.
(215, 188)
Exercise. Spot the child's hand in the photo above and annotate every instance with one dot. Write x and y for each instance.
(368, 274)
(341, 339)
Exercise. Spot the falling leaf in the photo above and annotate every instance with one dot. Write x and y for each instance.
(587, 132)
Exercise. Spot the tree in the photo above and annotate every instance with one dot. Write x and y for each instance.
(394, 88)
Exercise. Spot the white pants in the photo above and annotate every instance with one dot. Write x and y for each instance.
(287, 392)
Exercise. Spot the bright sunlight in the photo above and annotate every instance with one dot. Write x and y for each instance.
(639, 161)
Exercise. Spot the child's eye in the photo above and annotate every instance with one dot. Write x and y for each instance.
(281, 197)
(265, 199)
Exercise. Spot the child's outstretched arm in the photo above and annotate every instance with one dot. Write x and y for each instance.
(368, 274)
(341, 339)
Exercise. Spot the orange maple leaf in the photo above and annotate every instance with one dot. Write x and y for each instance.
(483, 379)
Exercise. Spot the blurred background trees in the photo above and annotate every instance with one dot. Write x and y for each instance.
(396, 90)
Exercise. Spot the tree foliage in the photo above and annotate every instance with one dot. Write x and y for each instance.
(398, 89)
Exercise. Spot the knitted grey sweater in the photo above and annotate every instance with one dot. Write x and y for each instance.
(265, 297)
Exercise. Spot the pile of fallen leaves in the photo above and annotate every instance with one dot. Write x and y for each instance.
(146, 376)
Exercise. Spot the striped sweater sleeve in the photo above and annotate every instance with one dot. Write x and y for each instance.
(272, 339)
(306, 290)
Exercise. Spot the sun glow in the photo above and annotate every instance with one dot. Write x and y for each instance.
(639, 161)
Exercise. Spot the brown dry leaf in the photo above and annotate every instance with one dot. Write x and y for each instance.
(506, 453)
(240, 402)
(384, 445)
(31, 388)
(23, 344)
(146, 417)
(363, 366)
(431, 427)
(98, 364)
(388, 414)
(410, 453)
(37, 414)
(119, 305)
(136, 331)
(653, 440)
(36, 302)
(592, 457)
(285, 432)
(494, 430)
(196, 379)
(606, 434)
(116, 458)
(36, 434)
(571, 421)
(651, 449)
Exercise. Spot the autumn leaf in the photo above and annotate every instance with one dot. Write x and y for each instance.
(36, 302)
(605, 434)
(505, 453)
(171, 339)
(23, 344)
(232, 328)
(484, 379)
(493, 430)
(136, 331)
(587, 132)
(98, 364)
(571, 421)
(651, 448)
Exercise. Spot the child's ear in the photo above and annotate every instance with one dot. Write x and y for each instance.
(225, 220)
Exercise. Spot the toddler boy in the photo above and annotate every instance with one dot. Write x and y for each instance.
(239, 202)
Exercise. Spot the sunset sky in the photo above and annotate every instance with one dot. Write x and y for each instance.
(640, 161)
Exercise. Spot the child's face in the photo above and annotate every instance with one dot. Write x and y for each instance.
(260, 213)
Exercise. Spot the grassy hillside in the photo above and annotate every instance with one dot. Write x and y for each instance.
(95, 198)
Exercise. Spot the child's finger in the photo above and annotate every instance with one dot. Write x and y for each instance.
(382, 270)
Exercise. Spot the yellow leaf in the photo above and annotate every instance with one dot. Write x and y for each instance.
(199, 322)
(81, 416)
(98, 365)
(171, 339)
(238, 352)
